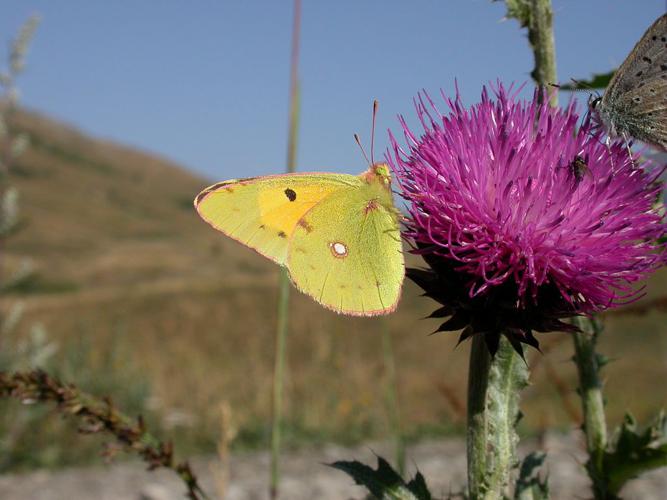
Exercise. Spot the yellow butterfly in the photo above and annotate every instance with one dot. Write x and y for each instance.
(337, 234)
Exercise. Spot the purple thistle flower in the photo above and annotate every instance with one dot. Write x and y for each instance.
(523, 217)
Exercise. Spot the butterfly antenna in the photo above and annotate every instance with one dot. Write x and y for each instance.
(375, 111)
(579, 86)
(356, 138)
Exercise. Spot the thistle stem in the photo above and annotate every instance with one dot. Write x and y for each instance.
(592, 401)
(493, 410)
(541, 38)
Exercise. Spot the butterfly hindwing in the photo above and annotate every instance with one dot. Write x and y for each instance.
(352, 263)
(263, 212)
(645, 114)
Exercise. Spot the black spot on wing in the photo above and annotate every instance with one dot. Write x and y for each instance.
(291, 194)
(282, 234)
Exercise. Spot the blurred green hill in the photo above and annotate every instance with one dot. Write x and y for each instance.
(125, 268)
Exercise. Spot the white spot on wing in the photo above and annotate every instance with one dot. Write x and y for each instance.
(338, 249)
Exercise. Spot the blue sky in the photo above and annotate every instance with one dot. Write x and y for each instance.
(205, 83)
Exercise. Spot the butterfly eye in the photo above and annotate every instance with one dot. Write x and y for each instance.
(594, 102)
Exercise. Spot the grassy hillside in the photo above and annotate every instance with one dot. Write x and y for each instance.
(139, 293)
(100, 215)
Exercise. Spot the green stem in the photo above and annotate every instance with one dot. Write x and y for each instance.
(392, 398)
(279, 380)
(590, 391)
(541, 38)
(493, 410)
(284, 284)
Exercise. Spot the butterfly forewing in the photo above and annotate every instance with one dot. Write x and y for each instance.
(648, 60)
(635, 102)
(263, 212)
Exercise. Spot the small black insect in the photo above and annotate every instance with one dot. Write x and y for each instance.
(578, 168)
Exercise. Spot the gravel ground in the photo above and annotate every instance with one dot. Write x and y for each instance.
(304, 477)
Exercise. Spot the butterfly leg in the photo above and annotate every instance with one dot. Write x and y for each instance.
(607, 143)
(628, 145)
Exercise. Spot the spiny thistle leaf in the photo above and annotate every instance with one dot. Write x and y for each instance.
(384, 482)
(602, 360)
(519, 10)
(530, 486)
(634, 452)
(597, 81)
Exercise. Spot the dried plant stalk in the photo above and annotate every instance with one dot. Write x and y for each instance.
(99, 416)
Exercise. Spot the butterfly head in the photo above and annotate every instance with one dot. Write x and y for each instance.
(380, 173)
(600, 115)
(594, 102)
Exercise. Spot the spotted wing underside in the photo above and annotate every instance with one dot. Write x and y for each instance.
(645, 115)
(646, 61)
(635, 101)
